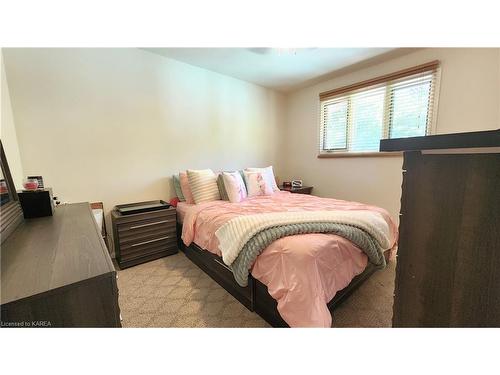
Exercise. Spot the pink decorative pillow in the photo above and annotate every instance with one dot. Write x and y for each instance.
(257, 184)
(268, 174)
(186, 190)
(235, 187)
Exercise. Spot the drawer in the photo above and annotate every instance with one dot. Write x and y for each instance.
(154, 215)
(149, 249)
(145, 234)
(129, 263)
(221, 273)
(163, 239)
(145, 224)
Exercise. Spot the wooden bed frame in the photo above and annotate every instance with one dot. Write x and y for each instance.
(255, 296)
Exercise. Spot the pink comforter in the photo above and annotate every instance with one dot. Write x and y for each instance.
(302, 272)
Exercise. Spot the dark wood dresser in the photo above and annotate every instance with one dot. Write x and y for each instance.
(297, 190)
(145, 236)
(448, 263)
(57, 272)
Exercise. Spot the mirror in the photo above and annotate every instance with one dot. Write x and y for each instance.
(7, 189)
(11, 214)
(4, 189)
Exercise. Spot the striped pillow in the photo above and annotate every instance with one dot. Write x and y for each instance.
(203, 184)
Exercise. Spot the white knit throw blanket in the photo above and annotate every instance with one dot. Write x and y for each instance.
(234, 234)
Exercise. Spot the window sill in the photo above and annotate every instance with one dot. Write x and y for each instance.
(359, 154)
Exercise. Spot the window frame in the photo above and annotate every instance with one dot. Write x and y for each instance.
(386, 81)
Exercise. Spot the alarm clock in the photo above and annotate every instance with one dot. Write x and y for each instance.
(296, 183)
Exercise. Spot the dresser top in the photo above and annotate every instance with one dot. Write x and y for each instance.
(481, 139)
(52, 252)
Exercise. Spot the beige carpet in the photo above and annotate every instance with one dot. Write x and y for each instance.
(173, 292)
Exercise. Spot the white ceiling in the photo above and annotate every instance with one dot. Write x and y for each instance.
(279, 69)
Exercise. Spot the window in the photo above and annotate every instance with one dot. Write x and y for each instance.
(355, 118)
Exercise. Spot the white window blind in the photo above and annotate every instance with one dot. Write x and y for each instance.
(355, 118)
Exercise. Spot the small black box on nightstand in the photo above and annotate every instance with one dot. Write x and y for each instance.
(36, 203)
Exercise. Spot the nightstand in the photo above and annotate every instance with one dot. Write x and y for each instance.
(300, 190)
(141, 237)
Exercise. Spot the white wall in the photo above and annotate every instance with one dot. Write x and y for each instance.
(8, 133)
(113, 125)
(469, 101)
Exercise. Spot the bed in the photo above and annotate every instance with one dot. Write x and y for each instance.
(297, 279)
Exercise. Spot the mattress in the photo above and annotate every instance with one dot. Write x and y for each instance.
(302, 272)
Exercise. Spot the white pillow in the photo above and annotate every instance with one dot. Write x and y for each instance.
(268, 174)
(235, 187)
(257, 184)
(203, 184)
